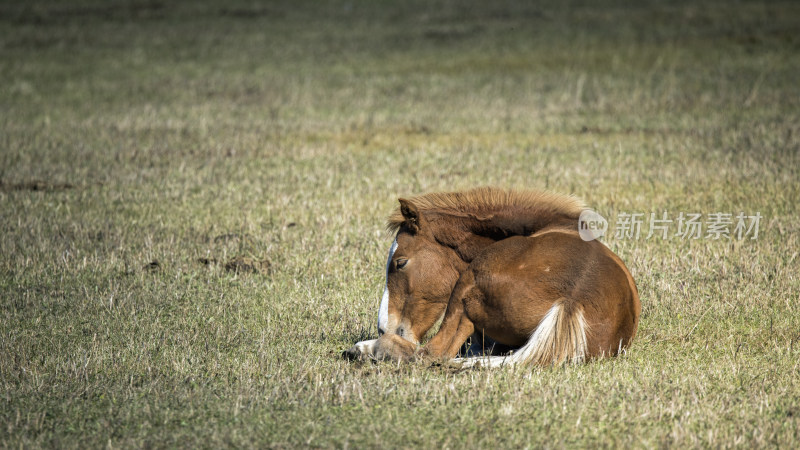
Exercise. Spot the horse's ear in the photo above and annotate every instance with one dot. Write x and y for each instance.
(410, 214)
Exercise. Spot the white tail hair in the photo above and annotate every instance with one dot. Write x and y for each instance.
(559, 338)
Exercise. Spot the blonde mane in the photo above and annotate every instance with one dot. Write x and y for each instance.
(485, 201)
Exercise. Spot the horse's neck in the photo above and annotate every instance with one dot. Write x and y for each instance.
(469, 237)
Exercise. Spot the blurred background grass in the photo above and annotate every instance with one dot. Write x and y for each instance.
(145, 144)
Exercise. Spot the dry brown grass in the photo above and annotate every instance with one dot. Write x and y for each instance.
(293, 128)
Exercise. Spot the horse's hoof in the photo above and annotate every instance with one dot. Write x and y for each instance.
(352, 353)
(362, 350)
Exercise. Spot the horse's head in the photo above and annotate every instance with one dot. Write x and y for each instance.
(420, 275)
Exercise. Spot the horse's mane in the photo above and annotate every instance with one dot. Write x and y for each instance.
(518, 207)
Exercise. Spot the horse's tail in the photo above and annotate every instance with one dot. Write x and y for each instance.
(559, 338)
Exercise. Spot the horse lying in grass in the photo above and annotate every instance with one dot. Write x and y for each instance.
(506, 265)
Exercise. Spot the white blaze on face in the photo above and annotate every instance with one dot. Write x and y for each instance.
(383, 311)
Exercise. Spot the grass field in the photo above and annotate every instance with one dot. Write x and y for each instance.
(193, 196)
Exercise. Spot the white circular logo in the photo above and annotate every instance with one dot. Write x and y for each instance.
(591, 225)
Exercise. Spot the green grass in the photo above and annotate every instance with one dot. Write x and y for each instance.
(142, 131)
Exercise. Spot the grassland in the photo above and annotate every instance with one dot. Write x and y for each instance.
(144, 145)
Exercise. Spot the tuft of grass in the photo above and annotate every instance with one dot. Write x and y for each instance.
(192, 198)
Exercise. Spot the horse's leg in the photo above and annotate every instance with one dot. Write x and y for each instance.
(456, 326)
(450, 342)
(386, 347)
(363, 349)
(392, 347)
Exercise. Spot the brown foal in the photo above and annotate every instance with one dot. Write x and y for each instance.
(509, 265)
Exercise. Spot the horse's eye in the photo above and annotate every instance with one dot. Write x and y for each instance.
(400, 263)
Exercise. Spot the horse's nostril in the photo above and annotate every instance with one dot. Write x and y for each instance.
(381, 331)
(400, 331)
